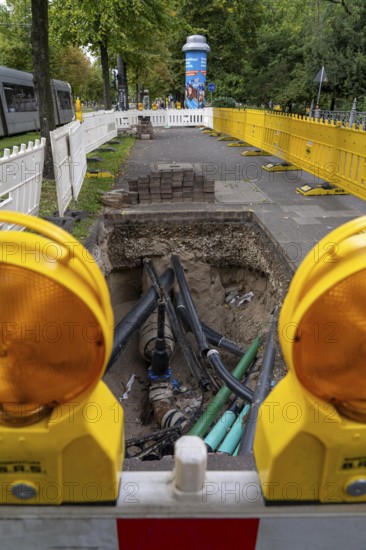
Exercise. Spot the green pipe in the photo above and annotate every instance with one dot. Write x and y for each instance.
(219, 431)
(232, 439)
(202, 425)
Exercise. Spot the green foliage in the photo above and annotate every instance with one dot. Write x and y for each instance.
(67, 62)
(15, 27)
(108, 27)
(262, 51)
(224, 102)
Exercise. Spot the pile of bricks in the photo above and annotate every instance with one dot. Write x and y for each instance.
(173, 184)
(144, 128)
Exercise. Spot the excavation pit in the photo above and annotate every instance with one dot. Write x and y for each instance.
(225, 258)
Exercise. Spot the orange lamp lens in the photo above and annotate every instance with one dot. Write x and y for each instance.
(51, 346)
(330, 344)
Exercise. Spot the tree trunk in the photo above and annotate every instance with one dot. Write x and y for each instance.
(106, 76)
(41, 77)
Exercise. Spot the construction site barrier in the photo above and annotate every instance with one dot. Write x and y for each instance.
(21, 179)
(70, 145)
(323, 148)
(208, 508)
(165, 117)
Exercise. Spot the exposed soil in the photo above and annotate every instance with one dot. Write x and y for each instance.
(219, 259)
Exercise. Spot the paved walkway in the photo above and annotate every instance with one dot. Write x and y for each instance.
(296, 222)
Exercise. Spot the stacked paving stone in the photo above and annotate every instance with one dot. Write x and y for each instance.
(144, 128)
(173, 184)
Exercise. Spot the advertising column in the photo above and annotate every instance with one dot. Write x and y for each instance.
(196, 50)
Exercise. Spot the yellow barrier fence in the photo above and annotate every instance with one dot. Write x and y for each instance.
(327, 150)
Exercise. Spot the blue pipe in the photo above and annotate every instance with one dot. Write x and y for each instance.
(232, 439)
(218, 432)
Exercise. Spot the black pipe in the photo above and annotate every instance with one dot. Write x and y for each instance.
(213, 356)
(124, 330)
(213, 337)
(160, 357)
(220, 341)
(262, 388)
(196, 371)
(240, 390)
(193, 319)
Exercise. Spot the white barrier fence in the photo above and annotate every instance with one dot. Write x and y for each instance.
(77, 157)
(21, 179)
(70, 145)
(99, 127)
(60, 143)
(169, 117)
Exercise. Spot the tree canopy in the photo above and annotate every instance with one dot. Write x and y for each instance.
(262, 51)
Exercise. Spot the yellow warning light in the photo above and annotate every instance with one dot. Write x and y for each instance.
(56, 335)
(315, 439)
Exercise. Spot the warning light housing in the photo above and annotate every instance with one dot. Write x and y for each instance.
(60, 427)
(310, 440)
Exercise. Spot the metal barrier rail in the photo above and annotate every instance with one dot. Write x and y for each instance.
(206, 507)
(321, 147)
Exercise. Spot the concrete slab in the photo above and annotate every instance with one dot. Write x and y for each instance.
(172, 166)
(243, 192)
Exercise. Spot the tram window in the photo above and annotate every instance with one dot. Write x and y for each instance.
(20, 98)
(64, 99)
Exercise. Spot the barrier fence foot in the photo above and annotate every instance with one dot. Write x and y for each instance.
(239, 144)
(227, 138)
(256, 153)
(106, 150)
(280, 166)
(94, 159)
(98, 174)
(321, 189)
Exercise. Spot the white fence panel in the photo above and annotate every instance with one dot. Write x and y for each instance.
(185, 117)
(169, 117)
(60, 144)
(157, 118)
(21, 179)
(133, 117)
(70, 143)
(208, 117)
(99, 127)
(123, 119)
(77, 157)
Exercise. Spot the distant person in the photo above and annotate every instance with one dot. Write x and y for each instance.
(191, 97)
(190, 92)
(201, 100)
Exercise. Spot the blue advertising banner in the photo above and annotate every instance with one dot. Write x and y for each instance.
(196, 66)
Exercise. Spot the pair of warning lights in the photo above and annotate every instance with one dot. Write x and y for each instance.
(60, 437)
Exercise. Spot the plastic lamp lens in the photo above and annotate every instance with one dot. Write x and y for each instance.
(322, 326)
(56, 321)
(51, 346)
(329, 349)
